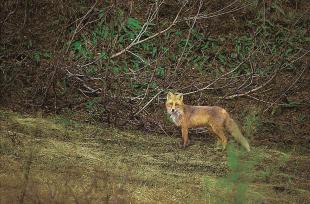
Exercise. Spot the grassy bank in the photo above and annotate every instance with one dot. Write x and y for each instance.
(56, 160)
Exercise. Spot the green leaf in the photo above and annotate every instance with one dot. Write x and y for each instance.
(205, 46)
(222, 58)
(178, 33)
(133, 24)
(94, 40)
(288, 51)
(154, 51)
(116, 70)
(121, 39)
(101, 13)
(278, 8)
(103, 55)
(77, 46)
(160, 71)
(47, 55)
(37, 57)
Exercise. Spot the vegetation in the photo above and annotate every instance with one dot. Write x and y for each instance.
(56, 160)
(93, 76)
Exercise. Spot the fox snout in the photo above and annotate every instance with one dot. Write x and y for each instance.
(170, 110)
(174, 111)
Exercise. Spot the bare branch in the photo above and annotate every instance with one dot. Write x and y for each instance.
(213, 82)
(188, 35)
(252, 90)
(148, 102)
(138, 41)
(268, 81)
(296, 80)
(219, 12)
(77, 29)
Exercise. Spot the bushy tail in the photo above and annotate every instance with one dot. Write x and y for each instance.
(236, 133)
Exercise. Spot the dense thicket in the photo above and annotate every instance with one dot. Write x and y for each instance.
(113, 61)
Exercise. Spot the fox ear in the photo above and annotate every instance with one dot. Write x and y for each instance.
(180, 96)
(169, 95)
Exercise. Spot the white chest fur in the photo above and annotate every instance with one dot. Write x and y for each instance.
(176, 118)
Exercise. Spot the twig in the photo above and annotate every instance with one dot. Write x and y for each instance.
(217, 13)
(307, 52)
(261, 100)
(78, 26)
(251, 77)
(188, 35)
(148, 102)
(148, 86)
(297, 79)
(160, 126)
(263, 85)
(142, 31)
(150, 37)
(7, 17)
(252, 90)
(140, 58)
(213, 82)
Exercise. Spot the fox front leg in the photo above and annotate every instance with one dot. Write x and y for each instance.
(185, 137)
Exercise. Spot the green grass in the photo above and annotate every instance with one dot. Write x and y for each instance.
(54, 159)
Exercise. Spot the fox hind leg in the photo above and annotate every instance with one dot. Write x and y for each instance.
(221, 135)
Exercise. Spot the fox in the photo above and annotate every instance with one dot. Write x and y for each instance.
(214, 117)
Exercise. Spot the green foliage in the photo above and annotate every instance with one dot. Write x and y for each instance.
(90, 104)
(204, 54)
(81, 50)
(243, 45)
(102, 32)
(129, 31)
(36, 57)
(39, 55)
(66, 122)
(233, 188)
(251, 122)
(6, 147)
(200, 61)
(133, 24)
(292, 104)
(92, 70)
(160, 71)
(302, 118)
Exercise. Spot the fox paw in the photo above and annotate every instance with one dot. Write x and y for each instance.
(220, 146)
(184, 145)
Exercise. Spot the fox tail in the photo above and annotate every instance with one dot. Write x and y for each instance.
(236, 133)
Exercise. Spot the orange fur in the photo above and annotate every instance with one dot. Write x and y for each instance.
(186, 116)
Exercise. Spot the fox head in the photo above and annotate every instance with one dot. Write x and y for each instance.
(174, 103)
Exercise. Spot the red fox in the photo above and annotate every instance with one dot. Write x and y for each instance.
(186, 116)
